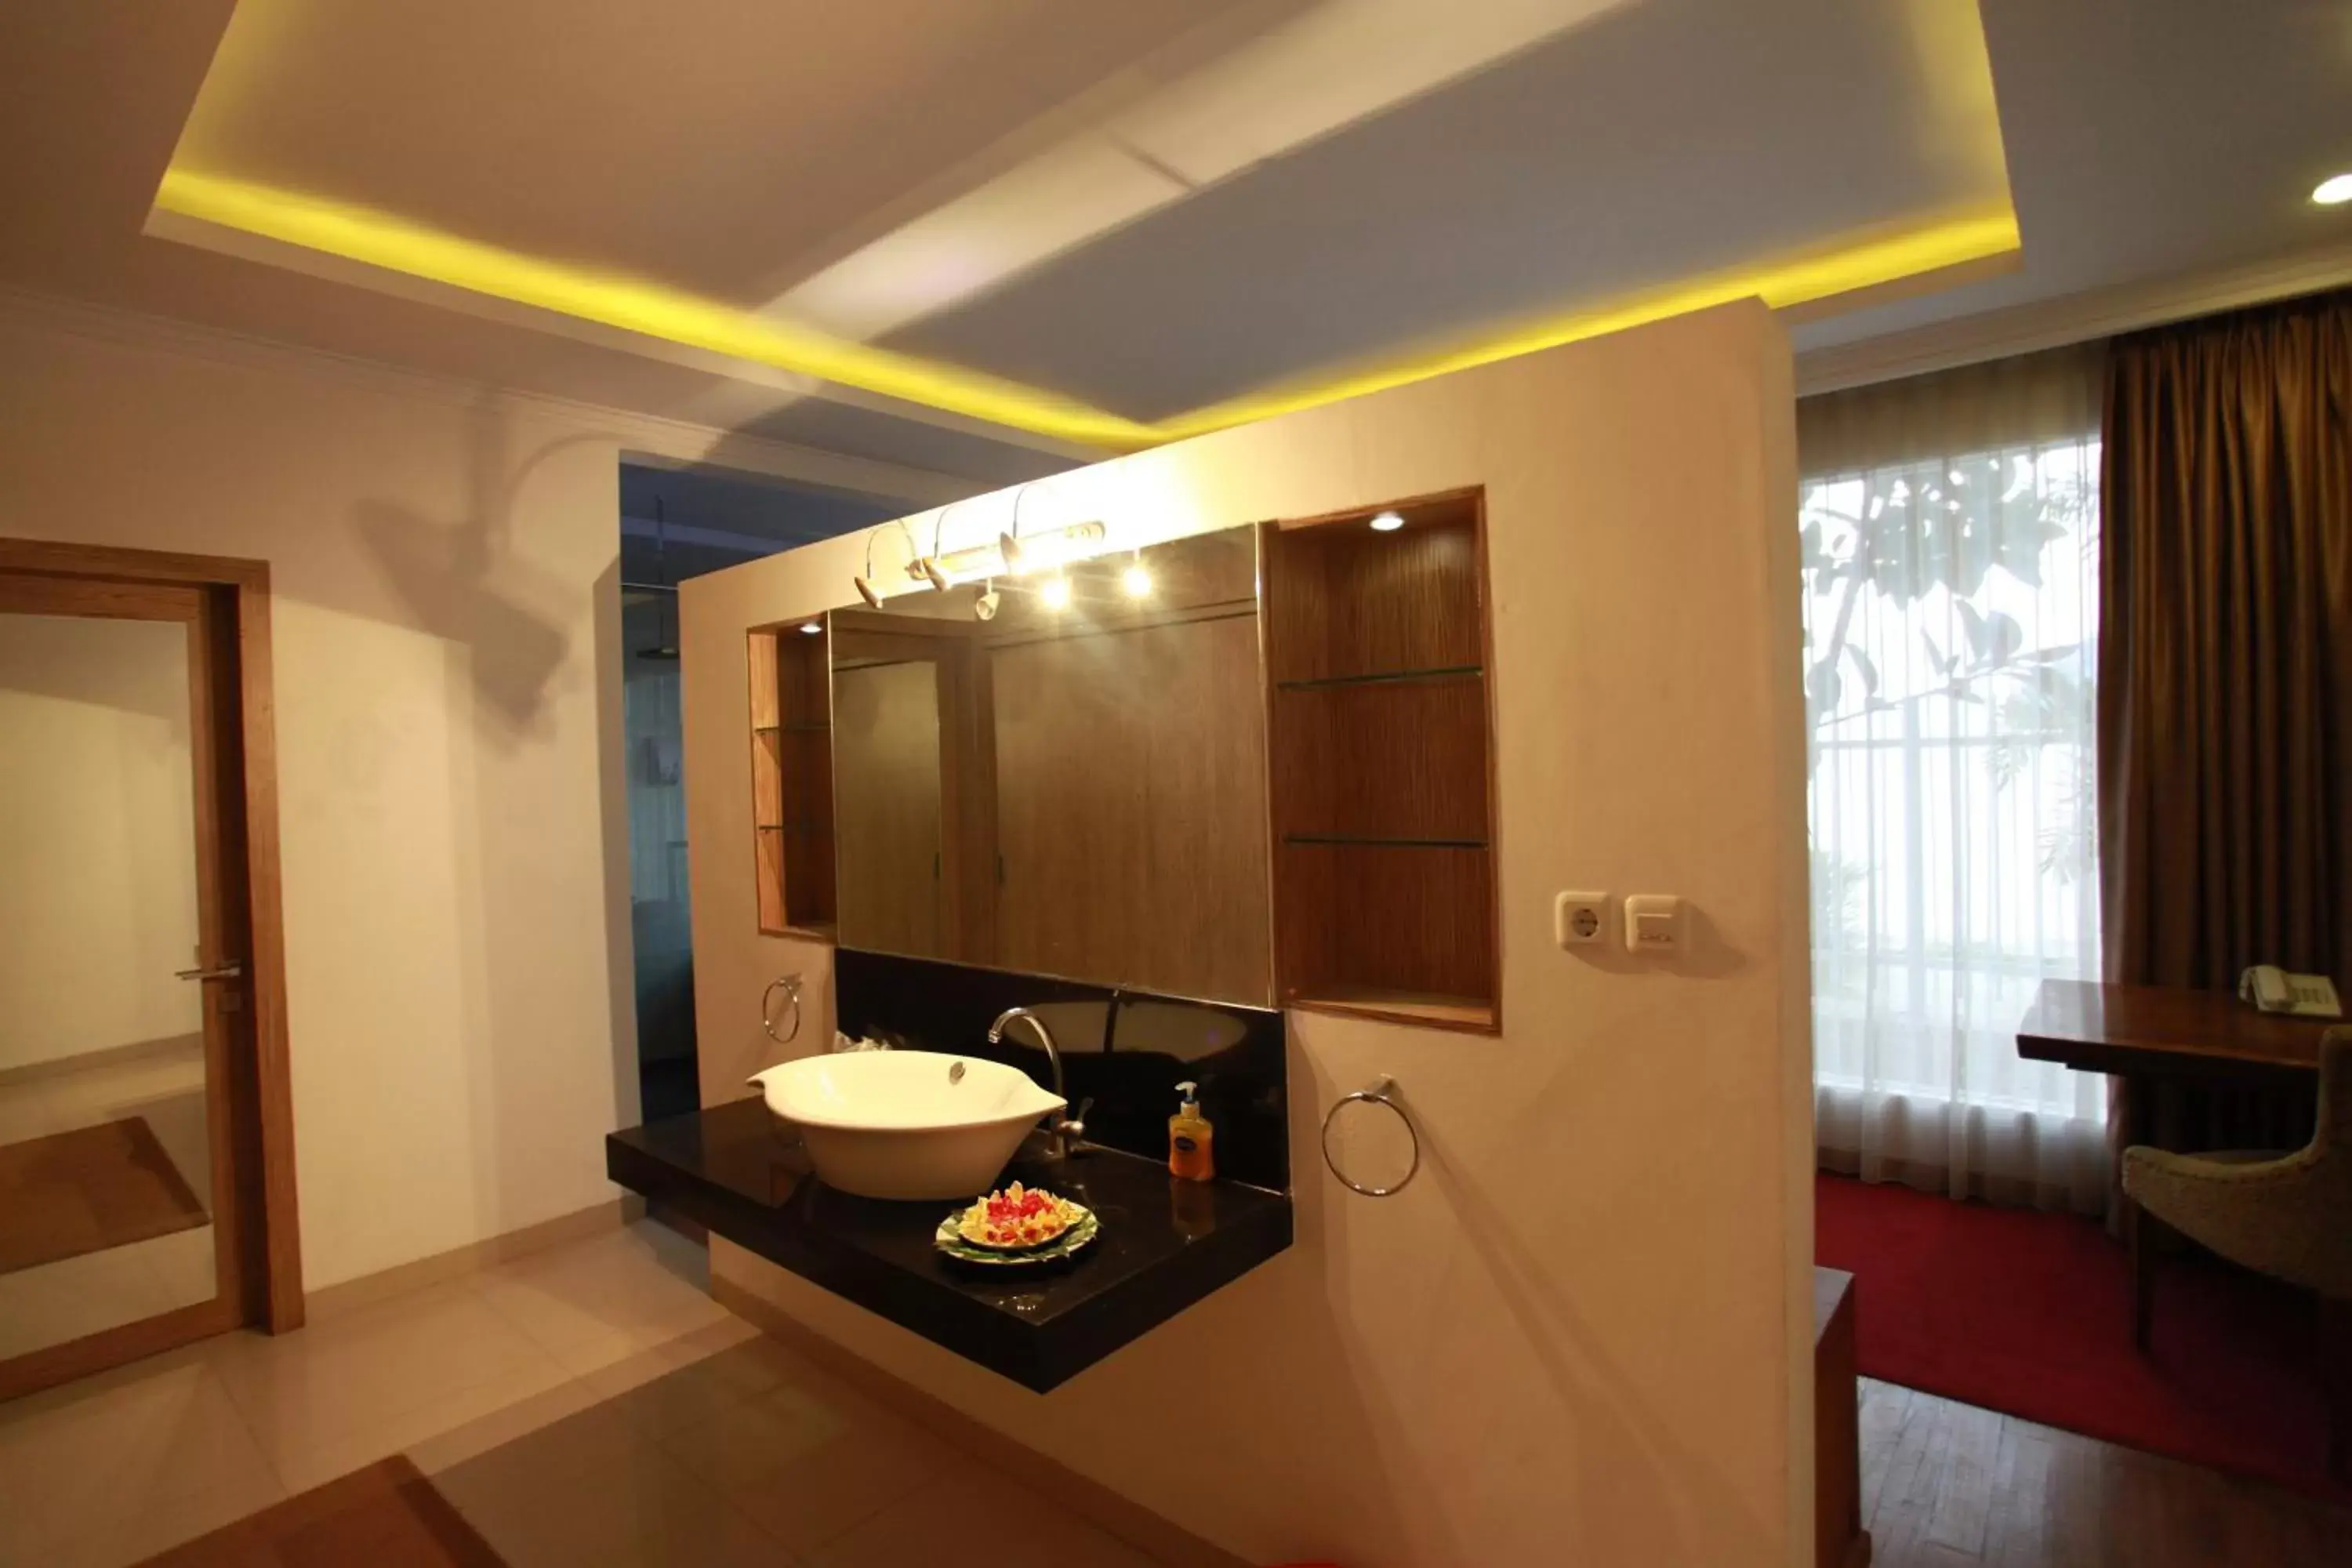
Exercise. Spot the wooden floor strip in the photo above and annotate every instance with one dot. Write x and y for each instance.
(1947, 1485)
(386, 1516)
(87, 1190)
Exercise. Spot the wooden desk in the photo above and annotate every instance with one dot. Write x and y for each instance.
(2159, 1031)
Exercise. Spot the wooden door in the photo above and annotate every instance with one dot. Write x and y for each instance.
(146, 1179)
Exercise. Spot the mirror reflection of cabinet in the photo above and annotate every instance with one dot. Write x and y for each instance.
(1073, 787)
(1115, 778)
(1131, 803)
(902, 751)
(1384, 869)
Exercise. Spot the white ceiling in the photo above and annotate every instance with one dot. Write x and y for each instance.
(2152, 140)
(1144, 206)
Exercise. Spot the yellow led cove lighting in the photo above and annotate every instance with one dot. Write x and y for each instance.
(633, 305)
(657, 311)
(1795, 281)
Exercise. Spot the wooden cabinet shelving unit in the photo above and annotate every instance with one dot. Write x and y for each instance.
(1380, 764)
(791, 781)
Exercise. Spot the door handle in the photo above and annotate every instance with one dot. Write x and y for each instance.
(232, 970)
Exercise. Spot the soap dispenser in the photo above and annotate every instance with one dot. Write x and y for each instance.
(1191, 1151)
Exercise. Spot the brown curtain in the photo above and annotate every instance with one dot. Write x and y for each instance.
(2225, 667)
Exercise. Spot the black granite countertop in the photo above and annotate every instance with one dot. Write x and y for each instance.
(1165, 1244)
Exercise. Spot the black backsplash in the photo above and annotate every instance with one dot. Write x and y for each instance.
(1124, 1048)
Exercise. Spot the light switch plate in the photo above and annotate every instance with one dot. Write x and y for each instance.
(1654, 923)
(1579, 919)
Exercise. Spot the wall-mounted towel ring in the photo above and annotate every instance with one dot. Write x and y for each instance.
(790, 984)
(1383, 1093)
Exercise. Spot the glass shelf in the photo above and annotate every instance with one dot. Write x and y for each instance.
(1383, 678)
(1379, 841)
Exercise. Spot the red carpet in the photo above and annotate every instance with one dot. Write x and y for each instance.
(2029, 1314)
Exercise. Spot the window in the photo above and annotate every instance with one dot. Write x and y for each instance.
(1951, 607)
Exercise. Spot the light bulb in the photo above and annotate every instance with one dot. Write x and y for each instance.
(1055, 593)
(1387, 523)
(812, 627)
(1137, 581)
(2333, 191)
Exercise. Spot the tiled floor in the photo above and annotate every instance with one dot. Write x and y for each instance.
(589, 1406)
(592, 1407)
(75, 1296)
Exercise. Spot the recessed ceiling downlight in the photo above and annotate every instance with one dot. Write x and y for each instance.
(2333, 191)
(1387, 523)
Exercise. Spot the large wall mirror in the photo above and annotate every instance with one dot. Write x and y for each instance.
(1074, 784)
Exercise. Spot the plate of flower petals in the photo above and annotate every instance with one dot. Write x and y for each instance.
(1018, 1225)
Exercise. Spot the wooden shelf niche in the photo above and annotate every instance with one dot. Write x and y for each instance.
(1380, 762)
(791, 781)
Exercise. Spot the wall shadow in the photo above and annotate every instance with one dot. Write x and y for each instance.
(1666, 1498)
(465, 581)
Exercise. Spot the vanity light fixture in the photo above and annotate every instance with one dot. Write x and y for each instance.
(984, 608)
(1048, 550)
(1071, 539)
(929, 566)
(2333, 191)
(864, 581)
(1008, 542)
(1008, 556)
(1387, 523)
(812, 628)
(1137, 578)
(1018, 557)
(1054, 592)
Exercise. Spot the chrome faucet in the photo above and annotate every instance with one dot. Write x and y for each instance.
(1064, 1138)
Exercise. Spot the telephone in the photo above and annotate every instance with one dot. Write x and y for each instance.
(2273, 990)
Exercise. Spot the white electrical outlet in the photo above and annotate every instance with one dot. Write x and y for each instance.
(1578, 919)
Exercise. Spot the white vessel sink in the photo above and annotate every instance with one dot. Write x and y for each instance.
(907, 1124)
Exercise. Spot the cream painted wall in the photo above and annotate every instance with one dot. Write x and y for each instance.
(98, 837)
(454, 844)
(437, 572)
(1584, 1335)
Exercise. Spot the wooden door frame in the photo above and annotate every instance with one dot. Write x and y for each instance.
(260, 1098)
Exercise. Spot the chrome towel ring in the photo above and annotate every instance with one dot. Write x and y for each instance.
(1383, 1093)
(790, 984)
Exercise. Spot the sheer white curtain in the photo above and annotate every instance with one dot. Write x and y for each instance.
(1951, 605)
